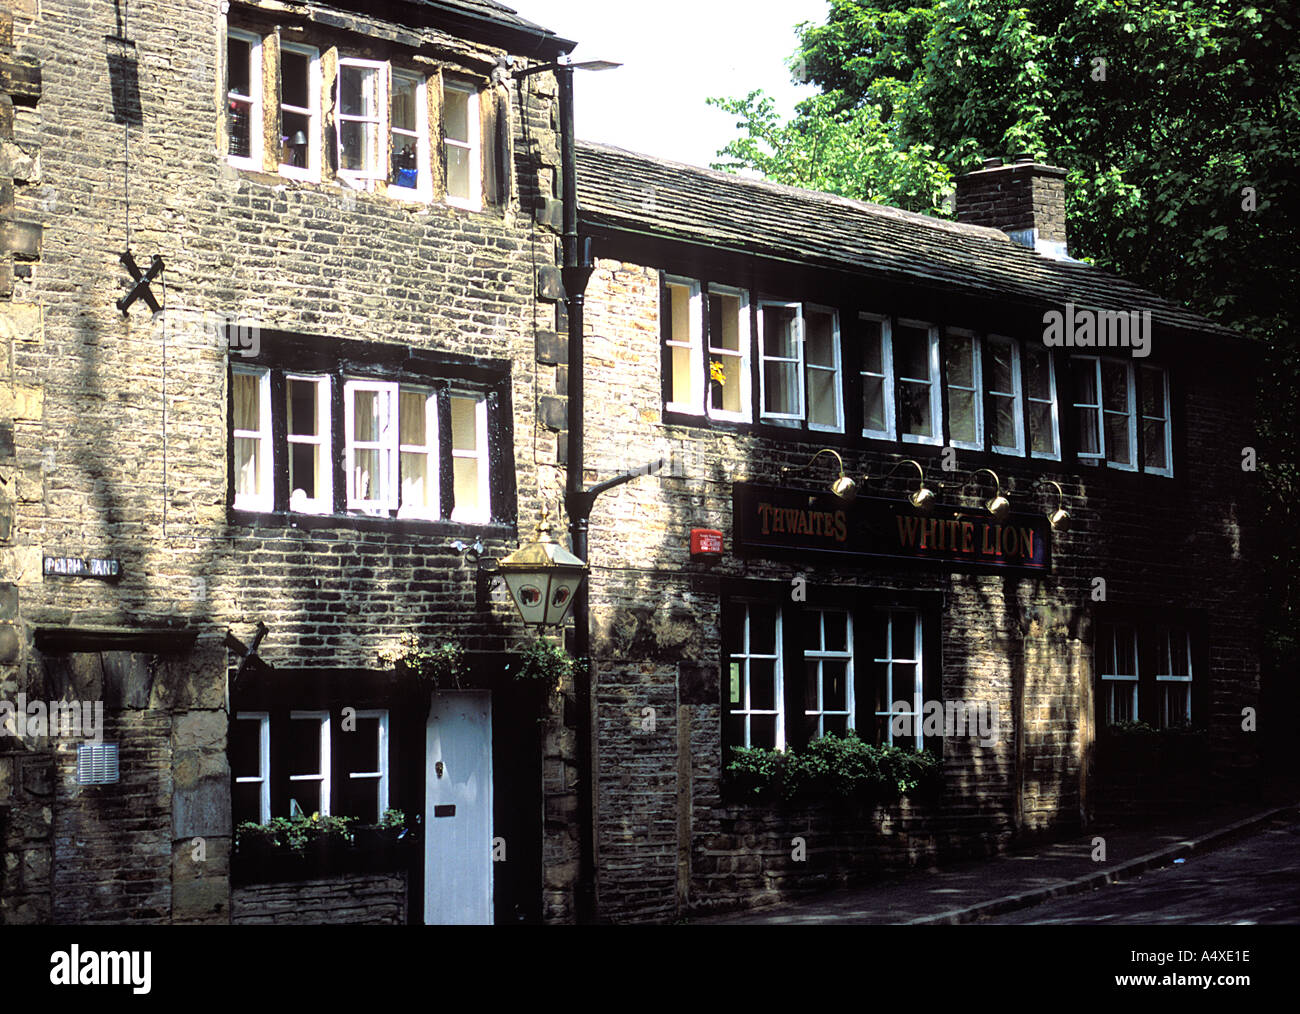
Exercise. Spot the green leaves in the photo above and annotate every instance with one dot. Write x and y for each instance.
(834, 767)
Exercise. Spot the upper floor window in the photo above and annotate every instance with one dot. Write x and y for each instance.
(244, 98)
(1006, 420)
(358, 118)
(1041, 404)
(684, 341)
(800, 380)
(916, 361)
(409, 135)
(299, 111)
(728, 338)
(420, 448)
(1106, 414)
(965, 404)
(462, 144)
(877, 377)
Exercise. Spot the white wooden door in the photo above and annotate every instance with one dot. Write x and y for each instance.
(458, 810)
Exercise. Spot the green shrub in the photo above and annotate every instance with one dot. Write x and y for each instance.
(294, 834)
(834, 767)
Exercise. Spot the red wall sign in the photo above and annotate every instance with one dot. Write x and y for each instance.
(706, 542)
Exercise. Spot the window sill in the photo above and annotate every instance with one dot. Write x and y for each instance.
(364, 523)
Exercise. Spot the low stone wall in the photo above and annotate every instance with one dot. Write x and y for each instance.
(377, 899)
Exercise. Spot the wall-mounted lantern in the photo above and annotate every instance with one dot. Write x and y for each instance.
(542, 578)
(997, 505)
(843, 487)
(1059, 519)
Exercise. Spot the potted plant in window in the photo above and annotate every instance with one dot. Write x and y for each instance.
(717, 380)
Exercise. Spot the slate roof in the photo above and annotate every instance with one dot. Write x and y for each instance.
(487, 13)
(721, 210)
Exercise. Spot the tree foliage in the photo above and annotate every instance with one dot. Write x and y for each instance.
(1176, 121)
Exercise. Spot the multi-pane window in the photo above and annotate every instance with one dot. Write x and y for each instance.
(877, 373)
(1174, 676)
(361, 760)
(299, 111)
(327, 762)
(965, 407)
(244, 97)
(469, 457)
(802, 377)
(418, 447)
(250, 766)
(728, 335)
(370, 445)
(1117, 669)
(251, 434)
(828, 663)
(916, 365)
(1157, 451)
(822, 362)
(683, 338)
(1006, 427)
(307, 412)
(358, 116)
(1040, 403)
(307, 755)
(781, 334)
(461, 144)
(1106, 408)
(408, 135)
(895, 651)
(755, 690)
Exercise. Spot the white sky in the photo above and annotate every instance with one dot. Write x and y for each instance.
(675, 54)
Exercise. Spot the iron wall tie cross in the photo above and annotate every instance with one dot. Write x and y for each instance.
(141, 289)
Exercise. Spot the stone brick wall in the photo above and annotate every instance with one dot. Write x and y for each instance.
(353, 900)
(120, 430)
(670, 842)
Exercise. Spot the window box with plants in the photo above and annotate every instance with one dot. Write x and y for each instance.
(303, 847)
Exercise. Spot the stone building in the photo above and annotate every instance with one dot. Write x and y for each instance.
(225, 497)
(742, 327)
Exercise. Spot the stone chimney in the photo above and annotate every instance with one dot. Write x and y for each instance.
(1025, 199)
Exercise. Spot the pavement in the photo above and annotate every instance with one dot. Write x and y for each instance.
(971, 891)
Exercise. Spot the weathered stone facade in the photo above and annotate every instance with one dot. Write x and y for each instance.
(672, 839)
(354, 900)
(115, 426)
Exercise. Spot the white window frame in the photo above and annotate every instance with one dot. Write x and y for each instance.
(935, 382)
(977, 391)
(429, 448)
(1166, 680)
(1055, 454)
(887, 378)
(822, 655)
(918, 689)
(1093, 363)
(744, 657)
(263, 776)
(424, 188)
(1133, 408)
(474, 145)
(780, 418)
(312, 111)
(837, 371)
(381, 775)
(1168, 470)
(458, 513)
(741, 359)
(326, 760)
(694, 347)
(256, 143)
(323, 502)
(387, 446)
(364, 178)
(1111, 681)
(265, 501)
(1014, 395)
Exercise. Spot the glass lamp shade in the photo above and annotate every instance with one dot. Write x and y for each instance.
(543, 578)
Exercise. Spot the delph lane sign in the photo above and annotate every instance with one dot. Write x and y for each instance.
(774, 521)
(75, 566)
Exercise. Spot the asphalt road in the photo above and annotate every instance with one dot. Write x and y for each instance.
(1253, 881)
